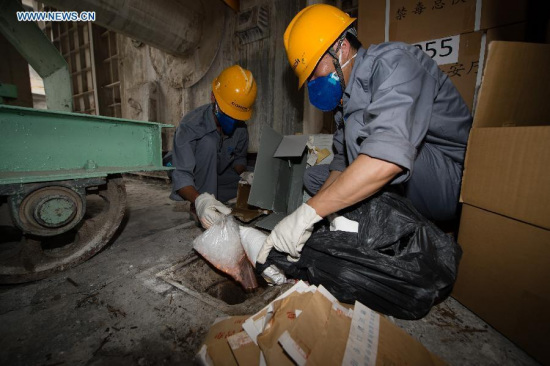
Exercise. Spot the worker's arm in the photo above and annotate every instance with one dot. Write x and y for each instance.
(183, 160)
(364, 177)
(360, 180)
(331, 178)
(188, 193)
(239, 169)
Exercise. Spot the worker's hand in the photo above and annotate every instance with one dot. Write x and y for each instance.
(291, 233)
(247, 177)
(210, 210)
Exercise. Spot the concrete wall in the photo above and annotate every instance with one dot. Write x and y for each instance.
(152, 88)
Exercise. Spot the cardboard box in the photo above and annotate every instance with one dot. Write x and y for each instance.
(505, 225)
(279, 171)
(463, 73)
(413, 21)
(508, 155)
(278, 175)
(507, 172)
(503, 277)
(466, 26)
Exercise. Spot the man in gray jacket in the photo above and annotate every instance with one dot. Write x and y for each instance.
(210, 146)
(400, 121)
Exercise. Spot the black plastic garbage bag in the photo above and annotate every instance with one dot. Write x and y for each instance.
(399, 263)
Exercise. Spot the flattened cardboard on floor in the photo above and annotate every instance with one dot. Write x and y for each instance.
(503, 277)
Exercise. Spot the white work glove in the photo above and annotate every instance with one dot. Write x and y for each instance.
(291, 233)
(210, 210)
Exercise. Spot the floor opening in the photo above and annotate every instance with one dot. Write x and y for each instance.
(199, 278)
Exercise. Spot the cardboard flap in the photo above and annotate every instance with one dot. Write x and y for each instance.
(515, 86)
(291, 146)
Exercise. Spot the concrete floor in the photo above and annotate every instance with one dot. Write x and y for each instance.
(113, 309)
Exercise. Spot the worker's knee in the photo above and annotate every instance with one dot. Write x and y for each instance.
(315, 177)
(434, 185)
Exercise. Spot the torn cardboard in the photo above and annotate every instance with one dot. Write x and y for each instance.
(324, 333)
(307, 325)
(244, 350)
(332, 343)
(285, 314)
(215, 349)
(242, 210)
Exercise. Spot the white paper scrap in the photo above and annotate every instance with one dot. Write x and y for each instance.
(203, 358)
(293, 349)
(362, 345)
(312, 158)
(238, 340)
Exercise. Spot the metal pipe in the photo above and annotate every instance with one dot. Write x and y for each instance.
(170, 25)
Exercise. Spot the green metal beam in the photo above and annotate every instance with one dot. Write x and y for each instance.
(38, 145)
(40, 53)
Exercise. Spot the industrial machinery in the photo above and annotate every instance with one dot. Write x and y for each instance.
(62, 197)
(60, 178)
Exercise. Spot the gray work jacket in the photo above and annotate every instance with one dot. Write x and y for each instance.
(396, 99)
(201, 156)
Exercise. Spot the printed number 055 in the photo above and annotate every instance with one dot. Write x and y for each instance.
(445, 49)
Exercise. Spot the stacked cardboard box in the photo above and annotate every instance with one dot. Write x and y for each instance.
(505, 224)
(454, 32)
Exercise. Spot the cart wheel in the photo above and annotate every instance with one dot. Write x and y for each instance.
(59, 229)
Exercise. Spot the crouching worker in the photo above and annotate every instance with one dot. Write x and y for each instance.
(400, 121)
(210, 146)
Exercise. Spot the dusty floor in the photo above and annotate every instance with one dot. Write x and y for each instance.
(113, 309)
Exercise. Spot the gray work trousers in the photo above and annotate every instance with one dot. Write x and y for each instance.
(433, 188)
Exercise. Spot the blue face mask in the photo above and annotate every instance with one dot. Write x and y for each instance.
(227, 123)
(325, 92)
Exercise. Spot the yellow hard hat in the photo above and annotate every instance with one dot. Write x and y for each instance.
(235, 92)
(310, 34)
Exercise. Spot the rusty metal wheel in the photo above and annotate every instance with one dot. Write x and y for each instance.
(53, 233)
